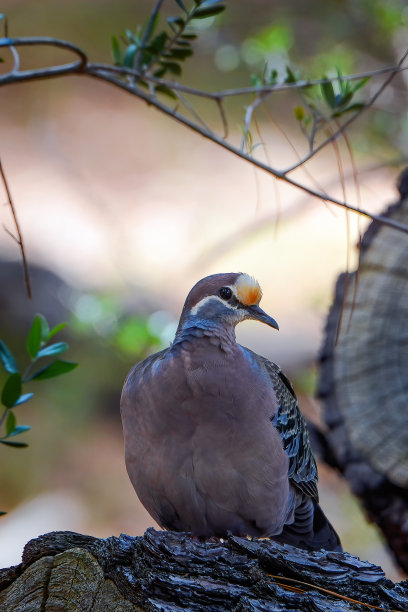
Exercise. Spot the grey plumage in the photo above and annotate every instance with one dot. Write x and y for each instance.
(214, 439)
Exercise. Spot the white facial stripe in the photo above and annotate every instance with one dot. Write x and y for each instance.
(207, 299)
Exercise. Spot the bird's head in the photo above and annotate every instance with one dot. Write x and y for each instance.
(223, 300)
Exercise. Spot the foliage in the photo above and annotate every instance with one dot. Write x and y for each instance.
(163, 53)
(135, 335)
(12, 396)
(331, 100)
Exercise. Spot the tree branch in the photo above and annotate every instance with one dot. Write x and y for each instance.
(19, 240)
(107, 73)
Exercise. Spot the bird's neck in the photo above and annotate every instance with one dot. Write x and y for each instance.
(222, 335)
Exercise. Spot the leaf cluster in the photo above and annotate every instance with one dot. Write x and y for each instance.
(331, 100)
(339, 103)
(161, 54)
(38, 348)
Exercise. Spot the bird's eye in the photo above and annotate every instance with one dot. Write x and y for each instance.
(225, 293)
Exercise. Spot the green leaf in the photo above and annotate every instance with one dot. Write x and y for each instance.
(166, 90)
(175, 22)
(328, 93)
(210, 3)
(131, 37)
(7, 358)
(343, 100)
(13, 443)
(353, 107)
(116, 52)
(181, 5)
(55, 330)
(11, 423)
(343, 85)
(188, 36)
(273, 77)
(56, 368)
(129, 57)
(180, 54)
(52, 349)
(11, 390)
(211, 11)
(158, 43)
(34, 337)
(172, 67)
(159, 73)
(290, 77)
(19, 430)
(23, 399)
(45, 330)
(359, 84)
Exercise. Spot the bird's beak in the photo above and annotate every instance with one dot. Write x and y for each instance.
(258, 314)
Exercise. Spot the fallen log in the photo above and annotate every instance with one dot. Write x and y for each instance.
(170, 571)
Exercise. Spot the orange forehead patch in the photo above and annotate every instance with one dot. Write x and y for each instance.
(248, 290)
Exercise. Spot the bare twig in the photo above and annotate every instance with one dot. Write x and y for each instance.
(223, 116)
(19, 241)
(292, 146)
(187, 104)
(248, 119)
(16, 58)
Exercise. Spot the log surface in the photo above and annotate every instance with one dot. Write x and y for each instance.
(170, 571)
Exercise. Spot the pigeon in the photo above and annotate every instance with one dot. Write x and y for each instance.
(215, 443)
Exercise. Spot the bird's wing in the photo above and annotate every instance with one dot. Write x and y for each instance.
(292, 427)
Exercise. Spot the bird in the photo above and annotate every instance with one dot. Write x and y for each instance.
(215, 443)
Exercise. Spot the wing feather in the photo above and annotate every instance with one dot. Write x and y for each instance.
(292, 427)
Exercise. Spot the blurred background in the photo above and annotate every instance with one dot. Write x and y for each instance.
(122, 211)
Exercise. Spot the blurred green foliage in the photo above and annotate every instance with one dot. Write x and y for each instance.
(38, 349)
(163, 53)
(130, 335)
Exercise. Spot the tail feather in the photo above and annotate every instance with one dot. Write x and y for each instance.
(310, 529)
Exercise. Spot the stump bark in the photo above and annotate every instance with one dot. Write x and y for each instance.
(364, 379)
(170, 571)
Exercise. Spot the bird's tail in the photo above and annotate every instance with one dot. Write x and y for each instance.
(310, 529)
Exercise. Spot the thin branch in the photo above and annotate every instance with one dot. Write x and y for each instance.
(42, 73)
(193, 111)
(292, 146)
(229, 147)
(223, 117)
(11, 234)
(18, 230)
(44, 40)
(346, 124)
(219, 95)
(16, 58)
(248, 119)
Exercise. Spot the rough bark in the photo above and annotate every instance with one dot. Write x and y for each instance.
(170, 571)
(364, 383)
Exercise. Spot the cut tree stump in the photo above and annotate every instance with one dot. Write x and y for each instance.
(170, 571)
(364, 379)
